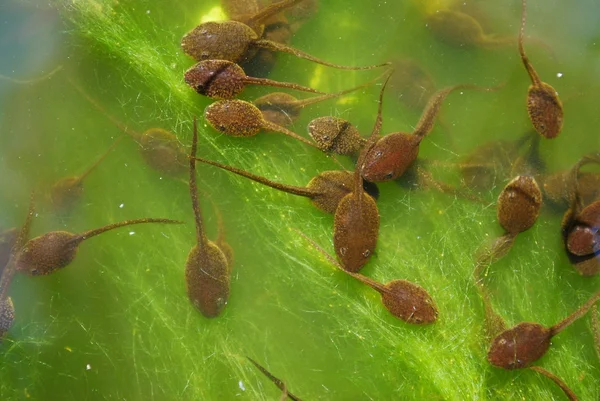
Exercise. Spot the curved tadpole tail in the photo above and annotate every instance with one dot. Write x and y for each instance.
(278, 382)
(281, 84)
(535, 78)
(31, 81)
(596, 329)
(271, 10)
(488, 254)
(579, 313)
(200, 233)
(97, 231)
(9, 269)
(278, 47)
(278, 128)
(563, 386)
(99, 160)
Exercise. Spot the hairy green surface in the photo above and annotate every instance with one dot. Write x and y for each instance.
(117, 325)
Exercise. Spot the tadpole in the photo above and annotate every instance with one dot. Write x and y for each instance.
(356, 219)
(283, 109)
(278, 382)
(237, 42)
(249, 12)
(221, 79)
(160, 149)
(543, 105)
(207, 269)
(55, 250)
(7, 271)
(518, 208)
(335, 135)
(67, 191)
(525, 343)
(580, 226)
(411, 84)
(403, 299)
(394, 153)
(325, 191)
(239, 118)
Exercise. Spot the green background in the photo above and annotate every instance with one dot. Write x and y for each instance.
(116, 324)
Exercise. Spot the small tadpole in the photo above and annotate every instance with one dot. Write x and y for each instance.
(394, 153)
(543, 105)
(580, 225)
(278, 382)
(250, 12)
(66, 192)
(238, 118)
(207, 269)
(325, 191)
(221, 79)
(405, 300)
(237, 42)
(336, 135)
(55, 250)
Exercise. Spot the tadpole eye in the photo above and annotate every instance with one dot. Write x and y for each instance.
(389, 175)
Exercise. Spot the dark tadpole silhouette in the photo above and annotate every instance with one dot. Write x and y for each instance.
(325, 191)
(55, 250)
(543, 105)
(405, 300)
(207, 269)
(278, 382)
(66, 192)
(222, 79)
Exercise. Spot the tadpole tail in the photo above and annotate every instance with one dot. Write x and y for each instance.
(579, 313)
(535, 78)
(280, 84)
(92, 233)
(277, 47)
(31, 81)
(101, 158)
(278, 128)
(321, 250)
(271, 10)
(488, 254)
(200, 233)
(576, 201)
(376, 285)
(301, 191)
(596, 329)
(278, 382)
(563, 386)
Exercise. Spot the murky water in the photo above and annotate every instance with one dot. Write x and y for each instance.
(116, 324)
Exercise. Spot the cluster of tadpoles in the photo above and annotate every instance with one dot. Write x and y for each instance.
(226, 51)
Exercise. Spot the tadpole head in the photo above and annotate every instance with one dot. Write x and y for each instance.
(455, 28)
(545, 110)
(519, 204)
(236, 118)
(47, 253)
(207, 279)
(219, 40)
(335, 135)
(217, 79)
(162, 151)
(278, 108)
(409, 302)
(519, 346)
(390, 157)
(581, 238)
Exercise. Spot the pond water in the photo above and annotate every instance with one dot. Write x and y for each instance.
(116, 324)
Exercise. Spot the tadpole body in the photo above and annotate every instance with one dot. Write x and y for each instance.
(207, 269)
(335, 135)
(543, 105)
(325, 191)
(222, 79)
(394, 153)
(66, 192)
(237, 42)
(238, 118)
(523, 344)
(55, 250)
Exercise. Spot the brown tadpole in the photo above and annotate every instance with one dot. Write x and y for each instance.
(394, 153)
(335, 135)
(284, 109)
(222, 79)
(581, 224)
(518, 208)
(160, 149)
(7, 269)
(543, 105)
(403, 299)
(238, 118)
(237, 42)
(278, 382)
(250, 13)
(66, 192)
(525, 343)
(55, 250)
(325, 191)
(356, 219)
(207, 269)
